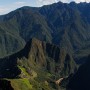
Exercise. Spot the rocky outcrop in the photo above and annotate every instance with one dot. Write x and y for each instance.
(42, 54)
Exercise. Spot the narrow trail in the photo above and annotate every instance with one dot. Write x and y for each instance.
(58, 82)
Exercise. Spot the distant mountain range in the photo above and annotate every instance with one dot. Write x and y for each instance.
(66, 25)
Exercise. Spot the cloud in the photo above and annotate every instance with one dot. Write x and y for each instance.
(81, 1)
(45, 2)
(20, 3)
(4, 10)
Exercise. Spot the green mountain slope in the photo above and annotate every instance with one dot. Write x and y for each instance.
(39, 63)
(63, 24)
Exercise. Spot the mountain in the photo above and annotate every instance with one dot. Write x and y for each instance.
(37, 62)
(23, 25)
(9, 42)
(80, 81)
(66, 25)
(71, 28)
(40, 46)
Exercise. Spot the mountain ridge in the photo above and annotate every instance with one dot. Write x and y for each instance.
(62, 24)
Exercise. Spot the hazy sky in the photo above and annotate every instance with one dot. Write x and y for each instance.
(9, 5)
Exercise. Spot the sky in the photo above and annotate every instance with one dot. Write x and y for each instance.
(9, 5)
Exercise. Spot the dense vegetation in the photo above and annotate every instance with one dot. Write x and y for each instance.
(39, 63)
(66, 25)
(39, 47)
